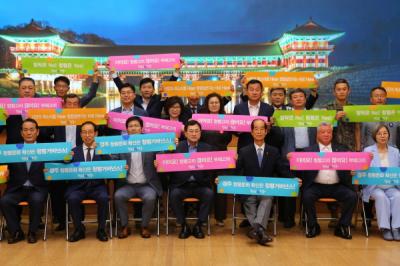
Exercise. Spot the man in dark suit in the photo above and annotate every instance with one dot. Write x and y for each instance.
(260, 159)
(253, 107)
(295, 139)
(142, 181)
(26, 183)
(26, 89)
(328, 183)
(191, 184)
(87, 189)
(128, 96)
(277, 97)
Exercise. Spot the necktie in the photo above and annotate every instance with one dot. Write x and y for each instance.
(88, 156)
(259, 156)
(194, 110)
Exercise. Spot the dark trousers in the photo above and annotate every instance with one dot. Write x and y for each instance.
(57, 192)
(220, 205)
(287, 209)
(12, 212)
(204, 194)
(344, 195)
(97, 193)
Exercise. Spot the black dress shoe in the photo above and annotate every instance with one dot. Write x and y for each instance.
(77, 235)
(197, 232)
(185, 231)
(313, 231)
(244, 223)
(252, 233)
(262, 237)
(16, 237)
(343, 232)
(102, 235)
(60, 227)
(32, 238)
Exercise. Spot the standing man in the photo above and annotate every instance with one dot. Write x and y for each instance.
(25, 183)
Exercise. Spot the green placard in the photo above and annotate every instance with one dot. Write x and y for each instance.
(59, 66)
(2, 117)
(372, 113)
(303, 118)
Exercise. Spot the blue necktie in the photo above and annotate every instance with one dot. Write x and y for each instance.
(259, 156)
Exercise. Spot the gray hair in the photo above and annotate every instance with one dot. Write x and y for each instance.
(324, 124)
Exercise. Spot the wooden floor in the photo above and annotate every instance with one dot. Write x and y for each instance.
(290, 247)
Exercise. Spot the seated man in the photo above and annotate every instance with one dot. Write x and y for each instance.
(87, 189)
(25, 183)
(195, 184)
(142, 181)
(328, 184)
(259, 159)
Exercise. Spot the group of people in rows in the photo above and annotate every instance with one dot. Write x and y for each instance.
(263, 152)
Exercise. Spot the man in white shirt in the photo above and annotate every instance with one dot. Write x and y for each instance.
(328, 184)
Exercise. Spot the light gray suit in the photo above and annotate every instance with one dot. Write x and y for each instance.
(387, 199)
(148, 191)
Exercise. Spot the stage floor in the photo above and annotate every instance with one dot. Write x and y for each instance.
(290, 247)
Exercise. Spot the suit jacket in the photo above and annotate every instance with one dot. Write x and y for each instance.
(19, 174)
(394, 161)
(309, 176)
(85, 100)
(149, 170)
(79, 156)
(58, 134)
(202, 177)
(136, 111)
(289, 144)
(243, 109)
(273, 164)
(198, 108)
(13, 129)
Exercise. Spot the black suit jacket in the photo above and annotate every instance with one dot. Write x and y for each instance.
(309, 176)
(272, 164)
(79, 156)
(265, 110)
(58, 134)
(19, 174)
(202, 177)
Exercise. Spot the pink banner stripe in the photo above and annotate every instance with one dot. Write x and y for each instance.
(220, 122)
(195, 161)
(140, 62)
(329, 160)
(18, 106)
(151, 125)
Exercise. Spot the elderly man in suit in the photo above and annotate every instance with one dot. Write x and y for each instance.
(328, 183)
(191, 184)
(84, 189)
(142, 182)
(260, 159)
(26, 183)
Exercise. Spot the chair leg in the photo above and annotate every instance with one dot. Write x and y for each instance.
(46, 218)
(357, 210)
(233, 215)
(158, 216)
(208, 226)
(167, 215)
(305, 221)
(364, 218)
(1, 227)
(275, 217)
(116, 224)
(66, 222)
(110, 219)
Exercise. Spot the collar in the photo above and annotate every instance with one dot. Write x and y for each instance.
(321, 146)
(130, 109)
(257, 147)
(254, 106)
(86, 147)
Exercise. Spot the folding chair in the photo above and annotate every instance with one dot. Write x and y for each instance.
(235, 217)
(26, 204)
(137, 200)
(187, 200)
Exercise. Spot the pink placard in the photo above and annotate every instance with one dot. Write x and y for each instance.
(329, 160)
(140, 62)
(195, 161)
(18, 106)
(150, 125)
(221, 122)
